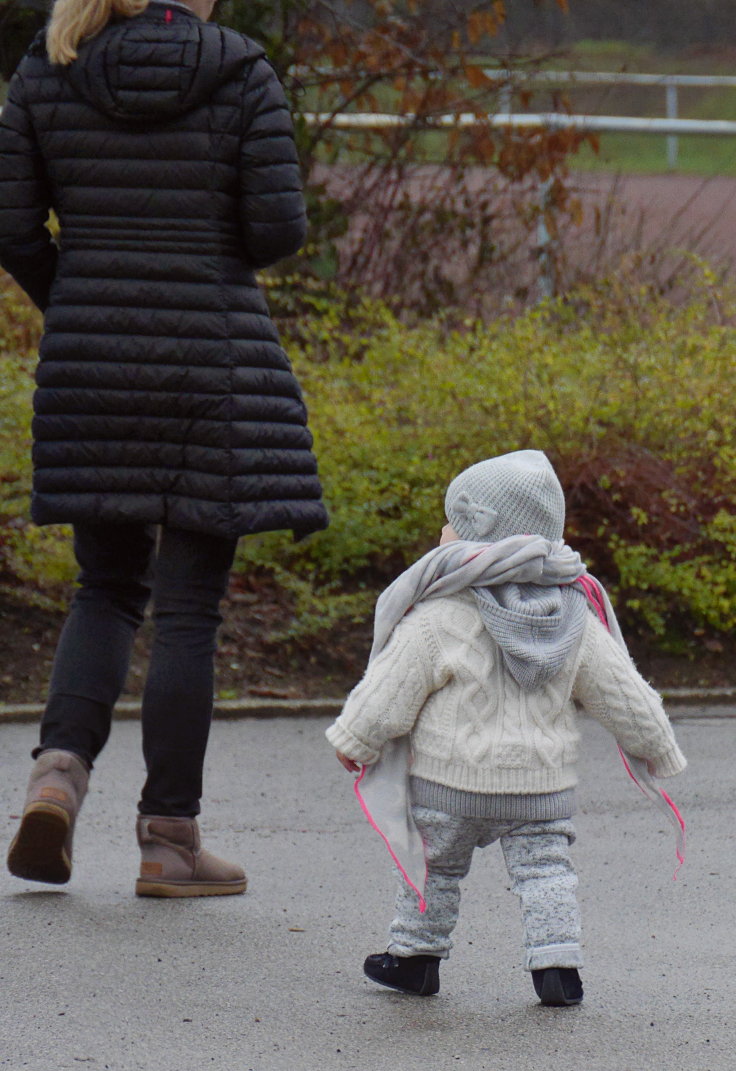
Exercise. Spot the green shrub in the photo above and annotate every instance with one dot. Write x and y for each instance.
(39, 558)
(630, 396)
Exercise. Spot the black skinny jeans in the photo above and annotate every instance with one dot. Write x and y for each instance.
(121, 567)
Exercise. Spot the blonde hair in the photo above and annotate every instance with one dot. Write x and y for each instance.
(73, 20)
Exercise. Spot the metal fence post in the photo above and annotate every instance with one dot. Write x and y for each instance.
(545, 246)
(672, 141)
(505, 95)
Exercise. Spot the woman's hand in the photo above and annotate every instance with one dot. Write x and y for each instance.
(352, 767)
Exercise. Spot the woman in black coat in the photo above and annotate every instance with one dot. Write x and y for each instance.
(167, 419)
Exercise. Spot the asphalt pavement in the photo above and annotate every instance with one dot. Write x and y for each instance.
(92, 977)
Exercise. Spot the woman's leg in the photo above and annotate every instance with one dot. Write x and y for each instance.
(89, 671)
(192, 572)
(543, 877)
(94, 649)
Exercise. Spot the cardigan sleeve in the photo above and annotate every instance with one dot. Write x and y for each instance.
(27, 250)
(272, 214)
(609, 687)
(388, 700)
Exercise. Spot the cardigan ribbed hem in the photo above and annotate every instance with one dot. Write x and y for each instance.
(536, 807)
(492, 780)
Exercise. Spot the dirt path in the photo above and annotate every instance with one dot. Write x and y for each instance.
(661, 212)
(468, 229)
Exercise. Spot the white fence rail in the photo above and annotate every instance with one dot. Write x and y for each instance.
(671, 83)
(550, 120)
(669, 125)
(619, 78)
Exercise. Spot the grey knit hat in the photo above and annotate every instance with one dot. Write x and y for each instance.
(514, 494)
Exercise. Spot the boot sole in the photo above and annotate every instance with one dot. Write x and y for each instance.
(428, 988)
(144, 887)
(553, 992)
(38, 851)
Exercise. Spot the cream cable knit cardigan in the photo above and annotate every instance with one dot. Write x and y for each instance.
(441, 678)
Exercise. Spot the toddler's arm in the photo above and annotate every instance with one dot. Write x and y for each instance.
(387, 701)
(609, 687)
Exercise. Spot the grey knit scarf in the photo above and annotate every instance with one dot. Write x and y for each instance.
(522, 586)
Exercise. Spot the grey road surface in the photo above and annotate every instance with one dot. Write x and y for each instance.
(91, 977)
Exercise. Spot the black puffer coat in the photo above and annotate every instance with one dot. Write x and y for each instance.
(166, 150)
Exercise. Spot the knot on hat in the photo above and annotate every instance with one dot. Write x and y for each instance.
(480, 518)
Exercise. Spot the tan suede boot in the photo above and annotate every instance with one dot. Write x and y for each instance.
(174, 864)
(42, 847)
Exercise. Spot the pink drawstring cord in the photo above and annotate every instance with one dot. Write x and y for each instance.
(680, 844)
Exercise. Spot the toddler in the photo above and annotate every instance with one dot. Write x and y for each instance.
(483, 651)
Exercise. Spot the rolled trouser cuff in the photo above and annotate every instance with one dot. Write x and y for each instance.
(563, 955)
(441, 949)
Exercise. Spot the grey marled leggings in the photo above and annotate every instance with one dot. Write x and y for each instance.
(542, 875)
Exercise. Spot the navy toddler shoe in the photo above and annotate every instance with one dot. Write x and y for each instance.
(408, 974)
(558, 986)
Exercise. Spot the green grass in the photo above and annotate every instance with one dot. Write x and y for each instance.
(626, 56)
(636, 154)
(642, 154)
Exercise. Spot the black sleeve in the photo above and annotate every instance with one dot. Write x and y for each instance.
(272, 214)
(27, 250)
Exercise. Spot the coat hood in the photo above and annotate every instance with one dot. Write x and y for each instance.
(158, 65)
